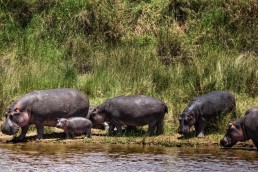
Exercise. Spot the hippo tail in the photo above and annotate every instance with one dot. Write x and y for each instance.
(166, 108)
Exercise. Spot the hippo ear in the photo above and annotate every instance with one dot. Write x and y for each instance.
(230, 125)
(96, 110)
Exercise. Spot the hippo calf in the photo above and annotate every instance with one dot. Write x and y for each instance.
(42, 108)
(131, 111)
(204, 108)
(75, 125)
(242, 129)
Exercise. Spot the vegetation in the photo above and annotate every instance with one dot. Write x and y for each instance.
(174, 50)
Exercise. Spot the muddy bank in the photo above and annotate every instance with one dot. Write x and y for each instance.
(100, 137)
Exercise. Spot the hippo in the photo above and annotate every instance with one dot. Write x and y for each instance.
(242, 129)
(137, 110)
(102, 126)
(204, 108)
(42, 108)
(75, 125)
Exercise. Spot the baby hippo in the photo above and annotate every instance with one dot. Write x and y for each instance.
(75, 125)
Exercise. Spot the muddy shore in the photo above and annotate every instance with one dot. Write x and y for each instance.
(100, 137)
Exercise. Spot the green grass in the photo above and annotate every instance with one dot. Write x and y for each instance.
(172, 50)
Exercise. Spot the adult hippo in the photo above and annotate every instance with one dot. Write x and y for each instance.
(132, 111)
(242, 129)
(42, 108)
(204, 108)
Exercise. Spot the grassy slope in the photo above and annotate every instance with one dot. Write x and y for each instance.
(172, 50)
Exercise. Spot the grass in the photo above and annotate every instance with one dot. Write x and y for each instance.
(172, 50)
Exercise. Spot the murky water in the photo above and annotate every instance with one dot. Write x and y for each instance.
(99, 157)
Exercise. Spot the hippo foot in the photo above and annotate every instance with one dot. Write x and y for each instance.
(17, 139)
(201, 135)
(70, 137)
(111, 133)
(38, 137)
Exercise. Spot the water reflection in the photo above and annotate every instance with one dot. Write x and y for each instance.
(99, 157)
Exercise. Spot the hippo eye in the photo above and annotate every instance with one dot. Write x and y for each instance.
(15, 114)
(237, 127)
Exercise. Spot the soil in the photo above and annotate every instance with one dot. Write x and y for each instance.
(100, 137)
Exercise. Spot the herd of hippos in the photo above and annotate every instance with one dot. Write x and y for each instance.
(70, 110)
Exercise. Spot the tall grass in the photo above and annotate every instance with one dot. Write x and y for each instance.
(172, 50)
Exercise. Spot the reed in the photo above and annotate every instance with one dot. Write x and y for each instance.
(172, 50)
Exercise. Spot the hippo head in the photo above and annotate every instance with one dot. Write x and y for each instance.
(14, 119)
(234, 134)
(62, 123)
(186, 121)
(98, 116)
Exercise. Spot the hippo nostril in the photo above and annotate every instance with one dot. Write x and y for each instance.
(224, 142)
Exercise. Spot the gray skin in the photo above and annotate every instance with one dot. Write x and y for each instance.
(242, 129)
(102, 126)
(75, 125)
(204, 108)
(42, 108)
(131, 111)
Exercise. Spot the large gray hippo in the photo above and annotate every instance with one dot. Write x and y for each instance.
(131, 111)
(242, 129)
(42, 108)
(203, 108)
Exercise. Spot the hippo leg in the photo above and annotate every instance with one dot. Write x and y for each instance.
(255, 143)
(40, 131)
(111, 129)
(160, 125)
(151, 128)
(72, 135)
(67, 135)
(199, 128)
(22, 135)
(88, 133)
(119, 128)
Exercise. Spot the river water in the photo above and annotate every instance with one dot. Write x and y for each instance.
(113, 157)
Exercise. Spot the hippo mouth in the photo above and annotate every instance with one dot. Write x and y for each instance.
(10, 129)
(185, 130)
(227, 142)
(59, 126)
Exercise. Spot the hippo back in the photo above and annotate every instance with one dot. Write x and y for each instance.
(56, 103)
(216, 102)
(135, 110)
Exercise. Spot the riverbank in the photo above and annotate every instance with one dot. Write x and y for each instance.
(100, 137)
